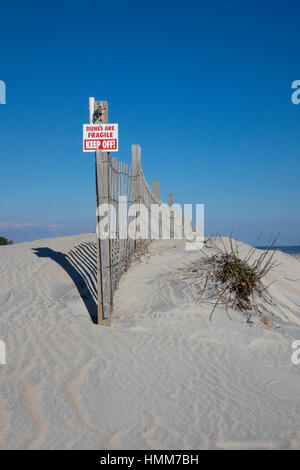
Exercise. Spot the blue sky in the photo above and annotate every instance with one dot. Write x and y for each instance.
(203, 87)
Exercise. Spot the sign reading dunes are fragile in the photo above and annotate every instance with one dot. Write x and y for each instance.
(103, 137)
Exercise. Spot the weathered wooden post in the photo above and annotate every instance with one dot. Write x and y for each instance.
(99, 115)
(136, 171)
(155, 185)
(171, 202)
(136, 164)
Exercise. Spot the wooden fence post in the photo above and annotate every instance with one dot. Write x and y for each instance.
(136, 163)
(103, 190)
(136, 169)
(155, 185)
(171, 202)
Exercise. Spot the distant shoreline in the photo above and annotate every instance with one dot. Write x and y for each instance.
(289, 250)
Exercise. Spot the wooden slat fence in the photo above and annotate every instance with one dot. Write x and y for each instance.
(123, 180)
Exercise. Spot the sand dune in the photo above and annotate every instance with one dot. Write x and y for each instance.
(161, 377)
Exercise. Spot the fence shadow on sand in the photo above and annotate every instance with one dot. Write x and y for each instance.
(81, 265)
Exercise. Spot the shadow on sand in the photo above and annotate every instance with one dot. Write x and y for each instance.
(81, 265)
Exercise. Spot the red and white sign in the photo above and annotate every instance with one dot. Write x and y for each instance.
(103, 137)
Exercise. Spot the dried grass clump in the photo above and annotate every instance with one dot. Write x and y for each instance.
(238, 277)
(232, 281)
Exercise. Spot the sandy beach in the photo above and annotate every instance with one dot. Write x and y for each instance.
(162, 376)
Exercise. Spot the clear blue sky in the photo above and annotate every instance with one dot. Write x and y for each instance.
(203, 87)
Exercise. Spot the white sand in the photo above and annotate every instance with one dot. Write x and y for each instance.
(161, 377)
